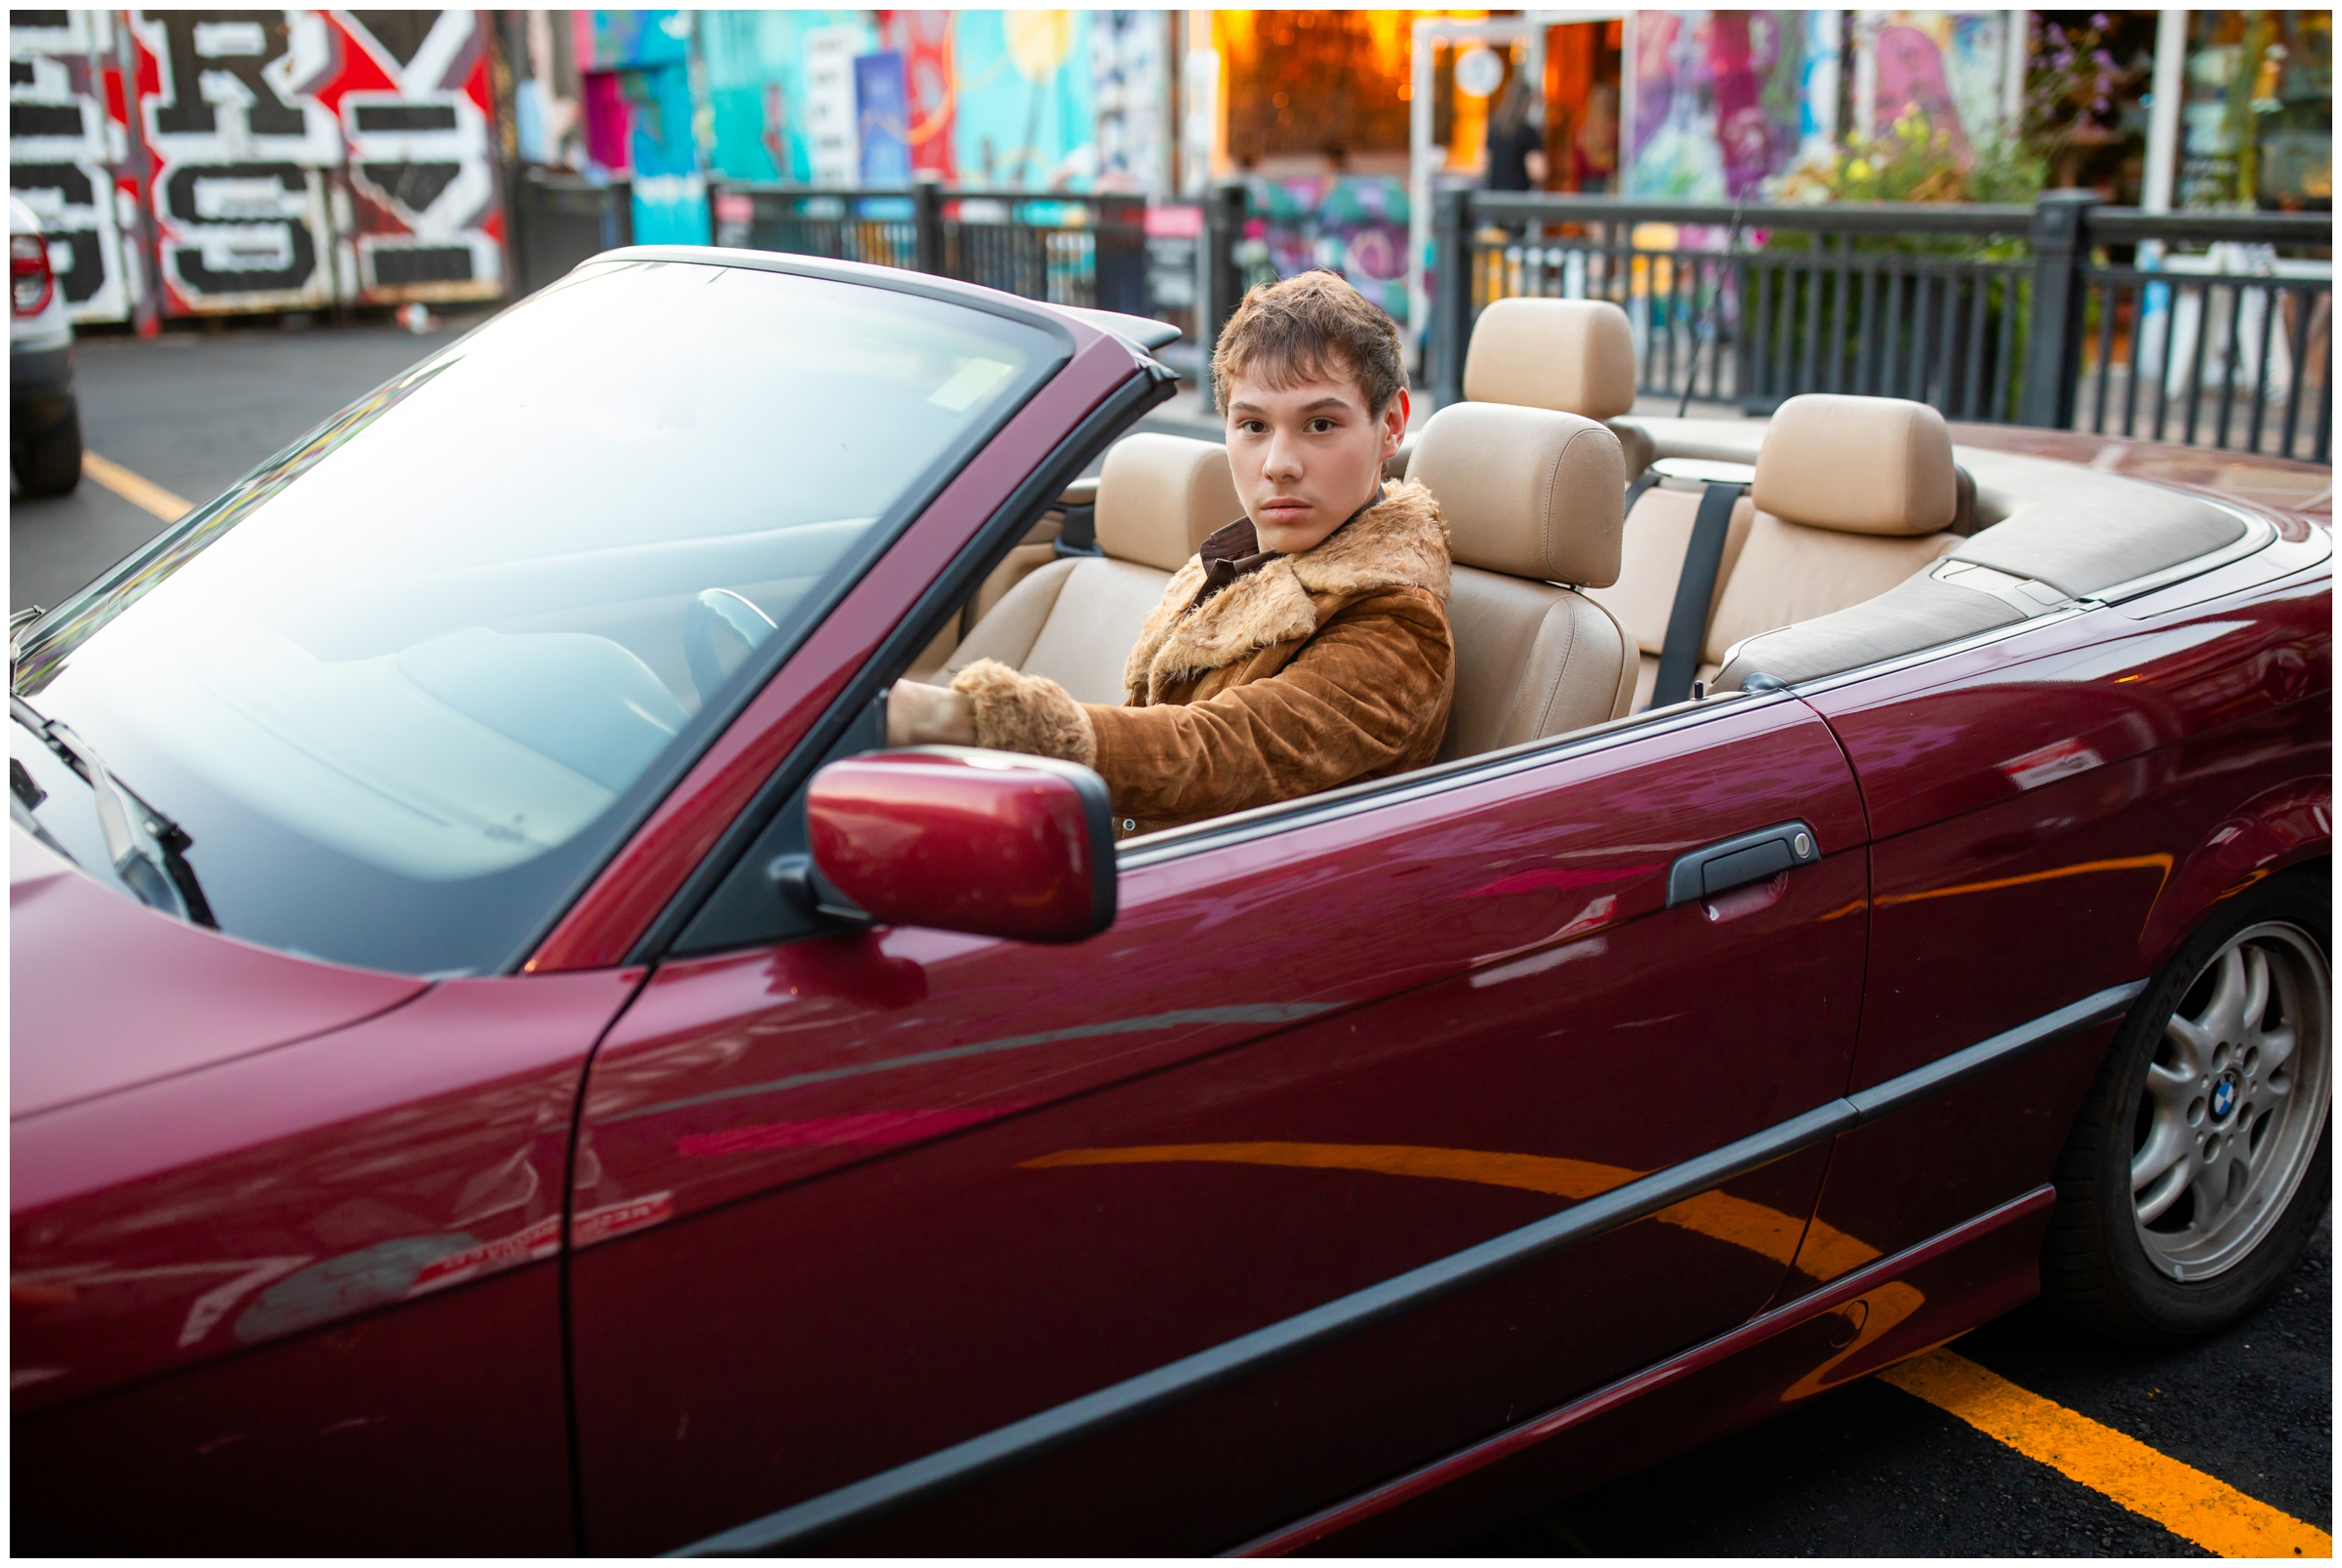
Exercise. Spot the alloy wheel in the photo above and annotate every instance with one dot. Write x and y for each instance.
(2235, 1099)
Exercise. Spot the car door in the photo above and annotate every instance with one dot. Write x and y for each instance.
(2051, 813)
(888, 1196)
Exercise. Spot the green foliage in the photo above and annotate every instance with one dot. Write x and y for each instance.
(1914, 162)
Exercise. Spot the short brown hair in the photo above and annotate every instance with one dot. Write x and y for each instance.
(1313, 327)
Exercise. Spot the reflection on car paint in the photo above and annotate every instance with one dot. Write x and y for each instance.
(2158, 862)
(1768, 1231)
(1249, 1013)
(2049, 763)
(824, 1131)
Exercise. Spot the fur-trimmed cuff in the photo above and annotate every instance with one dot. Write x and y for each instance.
(1028, 713)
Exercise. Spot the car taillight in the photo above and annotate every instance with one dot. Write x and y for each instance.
(30, 280)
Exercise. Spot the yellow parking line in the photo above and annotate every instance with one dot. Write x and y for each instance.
(2184, 1500)
(135, 489)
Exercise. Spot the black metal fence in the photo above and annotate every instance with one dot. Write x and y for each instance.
(1074, 250)
(558, 221)
(2068, 314)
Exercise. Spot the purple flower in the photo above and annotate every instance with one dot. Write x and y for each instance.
(2098, 21)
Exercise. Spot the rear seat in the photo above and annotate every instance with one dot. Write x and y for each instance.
(1658, 535)
(1853, 495)
(1533, 499)
(1075, 621)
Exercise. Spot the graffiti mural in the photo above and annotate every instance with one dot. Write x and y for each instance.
(70, 155)
(1950, 65)
(242, 146)
(1718, 102)
(425, 219)
(301, 157)
(1353, 224)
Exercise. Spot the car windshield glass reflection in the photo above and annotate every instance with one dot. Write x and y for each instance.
(400, 683)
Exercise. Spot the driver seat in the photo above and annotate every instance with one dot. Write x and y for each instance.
(1534, 501)
(1075, 619)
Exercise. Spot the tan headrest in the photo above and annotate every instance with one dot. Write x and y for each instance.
(1526, 491)
(1576, 356)
(1858, 465)
(1161, 496)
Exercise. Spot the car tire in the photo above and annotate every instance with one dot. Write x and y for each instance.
(47, 456)
(2224, 1199)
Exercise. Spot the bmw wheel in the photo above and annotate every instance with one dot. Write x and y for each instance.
(2197, 1168)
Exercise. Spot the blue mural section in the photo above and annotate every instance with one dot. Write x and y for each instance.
(638, 112)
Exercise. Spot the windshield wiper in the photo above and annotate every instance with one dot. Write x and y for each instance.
(148, 848)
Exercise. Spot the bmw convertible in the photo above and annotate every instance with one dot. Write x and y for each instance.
(505, 1060)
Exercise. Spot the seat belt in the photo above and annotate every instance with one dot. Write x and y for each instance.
(1695, 591)
(1640, 483)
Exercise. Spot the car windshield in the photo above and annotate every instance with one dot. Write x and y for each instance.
(407, 684)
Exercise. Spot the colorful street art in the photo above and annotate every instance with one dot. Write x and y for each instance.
(1023, 105)
(70, 155)
(1719, 99)
(639, 120)
(1948, 66)
(298, 158)
(1003, 99)
(1353, 224)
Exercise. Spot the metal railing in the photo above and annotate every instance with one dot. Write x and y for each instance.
(2064, 313)
(559, 219)
(1077, 250)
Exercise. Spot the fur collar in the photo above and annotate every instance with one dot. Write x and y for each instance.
(1399, 543)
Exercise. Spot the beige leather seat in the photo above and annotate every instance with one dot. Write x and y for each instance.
(1658, 535)
(1574, 357)
(1853, 495)
(1533, 501)
(1075, 621)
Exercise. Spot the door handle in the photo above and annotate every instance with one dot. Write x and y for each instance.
(1731, 862)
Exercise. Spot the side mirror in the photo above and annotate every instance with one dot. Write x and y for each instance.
(994, 843)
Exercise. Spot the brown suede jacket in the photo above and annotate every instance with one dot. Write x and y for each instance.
(1315, 670)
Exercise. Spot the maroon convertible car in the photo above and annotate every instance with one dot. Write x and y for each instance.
(503, 1062)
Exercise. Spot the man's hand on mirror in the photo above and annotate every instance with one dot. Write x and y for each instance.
(920, 715)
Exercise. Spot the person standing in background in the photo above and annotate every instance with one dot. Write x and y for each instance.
(1517, 140)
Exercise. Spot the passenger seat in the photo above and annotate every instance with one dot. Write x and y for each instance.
(1075, 621)
(1853, 495)
(1533, 500)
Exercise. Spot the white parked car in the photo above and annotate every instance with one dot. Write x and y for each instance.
(44, 420)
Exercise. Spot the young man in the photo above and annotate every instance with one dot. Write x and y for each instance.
(1307, 644)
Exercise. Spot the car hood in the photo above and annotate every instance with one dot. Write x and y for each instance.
(106, 993)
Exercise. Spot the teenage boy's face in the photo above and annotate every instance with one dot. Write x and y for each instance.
(1307, 455)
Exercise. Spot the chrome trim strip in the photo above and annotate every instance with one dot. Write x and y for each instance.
(951, 1467)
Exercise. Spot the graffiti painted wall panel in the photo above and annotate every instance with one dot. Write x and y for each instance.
(1718, 102)
(70, 156)
(242, 148)
(423, 217)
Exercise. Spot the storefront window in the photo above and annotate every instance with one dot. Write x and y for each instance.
(2258, 128)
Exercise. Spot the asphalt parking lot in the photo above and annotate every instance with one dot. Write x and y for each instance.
(1873, 1469)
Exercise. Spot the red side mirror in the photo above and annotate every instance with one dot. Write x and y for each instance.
(991, 842)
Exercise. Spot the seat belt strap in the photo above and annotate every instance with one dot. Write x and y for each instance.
(1642, 482)
(1695, 591)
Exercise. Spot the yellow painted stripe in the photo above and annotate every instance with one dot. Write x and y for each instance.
(137, 490)
(2183, 1499)
(1716, 1215)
